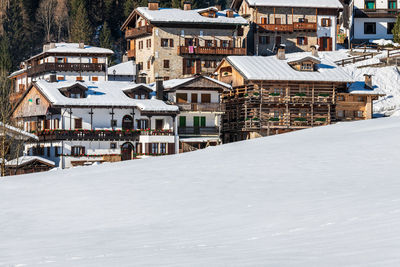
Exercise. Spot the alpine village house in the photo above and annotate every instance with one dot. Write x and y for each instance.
(199, 101)
(68, 61)
(282, 93)
(298, 24)
(174, 43)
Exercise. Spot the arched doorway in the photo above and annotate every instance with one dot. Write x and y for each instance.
(127, 151)
(127, 122)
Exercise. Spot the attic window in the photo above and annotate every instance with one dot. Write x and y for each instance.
(75, 91)
(307, 67)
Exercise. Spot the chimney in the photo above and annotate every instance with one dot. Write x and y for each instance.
(281, 52)
(46, 47)
(314, 50)
(368, 81)
(160, 88)
(153, 4)
(81, 45)
(187, 5)
(53, 78)
(229, 13)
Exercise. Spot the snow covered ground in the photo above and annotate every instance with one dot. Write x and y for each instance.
(327, 196)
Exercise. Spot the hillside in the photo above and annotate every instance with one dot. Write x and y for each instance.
(326, 196)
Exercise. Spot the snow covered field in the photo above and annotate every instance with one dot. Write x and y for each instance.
(327, 196)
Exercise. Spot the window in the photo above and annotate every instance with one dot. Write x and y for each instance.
(303, 20)
(163, 148)
(224, 44)
(148, 64)
(264, 40)
(302, 41)
(390, 27)
(142, 124)
(278, 91)
(369, 28)
(205, 98)
(306, 67)
(148, 43)
(360, 99)
(61, 60)
(56, 151)
(392, 5)
(159, 124)
(264, 20)
(140, 44)
(113, 123)
(60, 78)
(77, 150)
(113, 146)
(182, 121)
(79, 78)
(326, 22)
(166, 64)
(95, 60)
(167, 42)
(360, 114)
(75, 95)
(48, 151)
(56, 123)
(140, 65)
(95, 78)
(181, 98)
(202, 121)
(209, 43)
(154, 148)
(37, 101)
(166, 78)
(340, 98)
(78, 123)
(340, 113)
(194, 98)
(369, 4)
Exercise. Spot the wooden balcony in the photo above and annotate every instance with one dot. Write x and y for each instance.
(198, 130)
(137, 32)
(276, 27)
(96, 135)
(14, 97)
(302, 26)
(204, 107)
(203, 50)
(73, 67)
(376, 13)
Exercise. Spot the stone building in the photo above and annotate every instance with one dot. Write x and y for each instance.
(174, 43)
(297, 24)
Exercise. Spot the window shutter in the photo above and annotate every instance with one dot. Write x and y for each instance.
(184, 66)
(171, 42)
(329, 22)
(83, 150)
(268, 39)
(322, 22)
(305, 41)
(298, 41)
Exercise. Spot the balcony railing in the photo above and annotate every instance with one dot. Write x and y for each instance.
(137, 32)
(74, 67)
(210, 107)
(97, 135)
(199, 130)
(305, 26)
(376, 13)
(203, 50)
(296, 26)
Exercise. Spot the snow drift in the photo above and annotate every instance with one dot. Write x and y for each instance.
(327, 196)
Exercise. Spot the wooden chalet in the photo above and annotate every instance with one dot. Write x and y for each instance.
(282, 93)
(28, 164)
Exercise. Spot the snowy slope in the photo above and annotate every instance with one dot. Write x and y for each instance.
(327, 196)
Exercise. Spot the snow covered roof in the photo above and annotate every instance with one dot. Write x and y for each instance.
(297, 3)
(16, 73)
(358, 88)
(174, 15)
(73, 48)
(271, 68)
(126, 69)
(20, 134)
(29, 159)
(102, 94)
(170, 84)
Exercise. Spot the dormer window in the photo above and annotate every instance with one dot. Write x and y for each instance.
(307, 67)
(74, 91)
(140, 92)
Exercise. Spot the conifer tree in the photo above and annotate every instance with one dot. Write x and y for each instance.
(176, 3)
(105, 37)
(396, 30)
(14, 29)
(81, 30)
(5, 57)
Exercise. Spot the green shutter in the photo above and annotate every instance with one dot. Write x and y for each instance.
(370, 5)
(182, 121)
(203, 121)
(196, 121)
